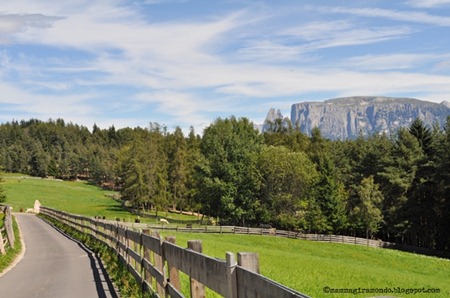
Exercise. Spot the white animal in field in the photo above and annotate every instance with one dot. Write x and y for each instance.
(164, 221)
(30, 210)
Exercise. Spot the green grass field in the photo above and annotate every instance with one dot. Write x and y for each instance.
(305, 266)
(310, 266)
(73, 197)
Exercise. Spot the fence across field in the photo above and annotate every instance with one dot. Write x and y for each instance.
(155, 264)
(294, 235)
(7, 238)
(257, 231)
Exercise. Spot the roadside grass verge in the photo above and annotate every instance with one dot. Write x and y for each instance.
(308, 266)
(11, 253)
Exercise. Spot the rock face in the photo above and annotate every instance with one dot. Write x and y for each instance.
(346, 118)
(275, 120)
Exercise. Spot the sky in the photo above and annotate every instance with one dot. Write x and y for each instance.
(185, 63)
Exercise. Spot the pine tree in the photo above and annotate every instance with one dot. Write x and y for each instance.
(367, 211)
(397, 176)
(177, 157)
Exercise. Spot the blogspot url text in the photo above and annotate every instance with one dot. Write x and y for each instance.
(386, 290)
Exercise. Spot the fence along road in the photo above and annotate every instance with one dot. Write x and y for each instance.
(53, 266)
(155, 264)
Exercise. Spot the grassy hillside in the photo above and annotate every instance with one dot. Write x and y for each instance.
(305, 266)
(74, 197)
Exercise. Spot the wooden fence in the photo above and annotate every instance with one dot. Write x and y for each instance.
(155, 264)
(258, 231)
(7, 238)
(294, 235)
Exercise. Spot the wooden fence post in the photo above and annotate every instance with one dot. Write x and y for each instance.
(174, 275)
(249, 261)
(147, 256)
(197, 289)
(231, 275)
(159, 264)
(9, 227)
(127, 247)
(2, 246)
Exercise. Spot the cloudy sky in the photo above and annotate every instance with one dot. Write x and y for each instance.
(128, 63)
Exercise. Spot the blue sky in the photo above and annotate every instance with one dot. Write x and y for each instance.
(128, 63)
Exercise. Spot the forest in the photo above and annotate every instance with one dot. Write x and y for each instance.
(389, 187)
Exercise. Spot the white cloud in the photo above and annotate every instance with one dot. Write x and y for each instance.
(428, 3)
(391, 61)
(14, 23)
(396, 15)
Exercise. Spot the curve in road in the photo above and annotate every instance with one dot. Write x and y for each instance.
(54, 265)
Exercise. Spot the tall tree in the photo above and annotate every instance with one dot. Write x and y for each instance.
(422, 196)
(177, 157)
(329, 192)
(396, 178)
(193, 164)
(229, 175)
(368, 211)
(287, 181)
(134, 186)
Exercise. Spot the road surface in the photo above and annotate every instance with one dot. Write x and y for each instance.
(53, 266)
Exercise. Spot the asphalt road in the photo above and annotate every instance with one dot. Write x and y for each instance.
(54, 266)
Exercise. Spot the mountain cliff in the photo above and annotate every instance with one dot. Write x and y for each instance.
(275, 121)
(346, 118)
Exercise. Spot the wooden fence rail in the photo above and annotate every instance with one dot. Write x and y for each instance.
(155, 264)
(294, 235)
(7, 238)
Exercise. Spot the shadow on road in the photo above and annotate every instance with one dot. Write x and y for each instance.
(103, 283)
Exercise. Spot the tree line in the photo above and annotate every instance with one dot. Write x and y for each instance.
(395, 187)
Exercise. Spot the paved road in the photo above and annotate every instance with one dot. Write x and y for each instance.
(53, 266)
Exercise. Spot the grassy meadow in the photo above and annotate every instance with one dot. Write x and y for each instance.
(305, 266)
(310, 266)
(77, 197)
(74, 197)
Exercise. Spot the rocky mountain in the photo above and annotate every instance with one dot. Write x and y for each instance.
(346, 118)
(275, 121)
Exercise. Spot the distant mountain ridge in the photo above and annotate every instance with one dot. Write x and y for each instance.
(347, 117)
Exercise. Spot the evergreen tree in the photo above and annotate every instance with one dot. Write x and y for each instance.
(177, 156)
(134, 186)
(193, 179)
(424, 194)
(367, 211)
(397, 177)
